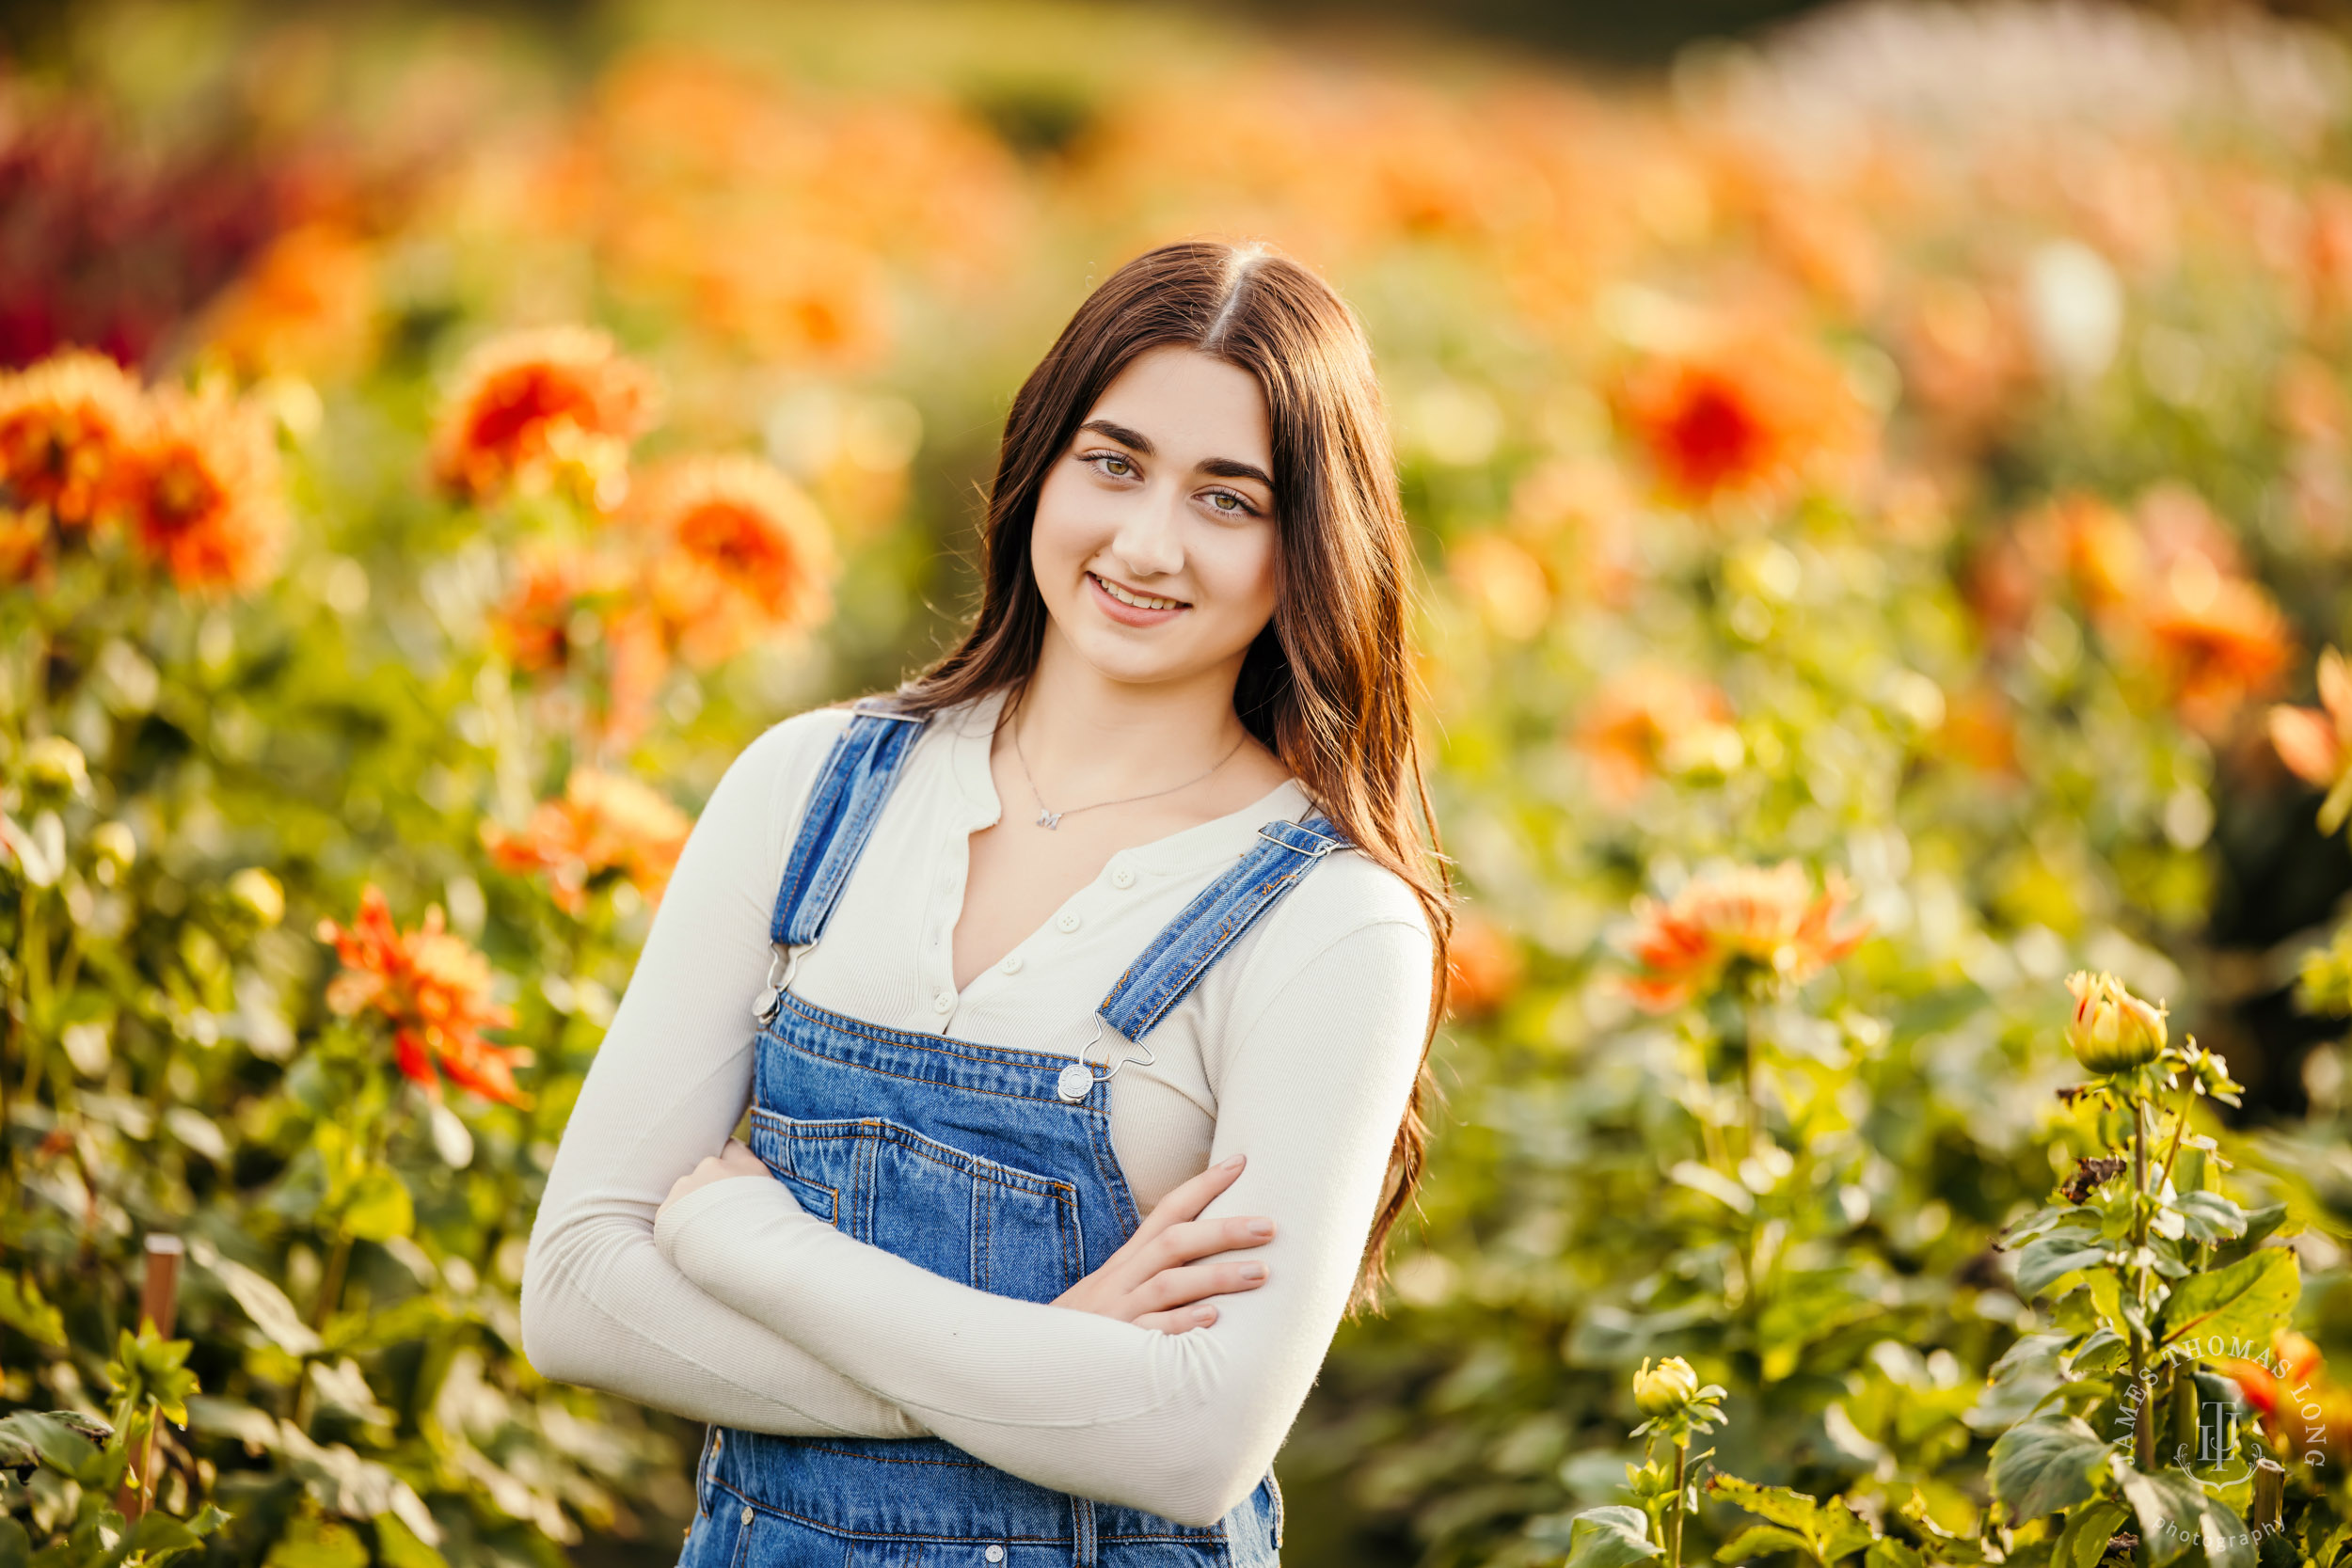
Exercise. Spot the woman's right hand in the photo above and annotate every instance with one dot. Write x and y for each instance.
(1153, 1281)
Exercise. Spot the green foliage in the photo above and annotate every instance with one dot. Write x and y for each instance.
(1610, 1537)
(1976, 691)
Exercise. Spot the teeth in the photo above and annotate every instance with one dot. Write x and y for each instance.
(1138, 600)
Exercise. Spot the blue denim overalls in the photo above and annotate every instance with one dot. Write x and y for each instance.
(988, 1165)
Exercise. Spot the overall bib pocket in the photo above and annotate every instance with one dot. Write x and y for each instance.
(962, 1215)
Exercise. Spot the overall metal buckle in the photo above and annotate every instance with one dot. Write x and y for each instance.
(771, 997)
(1078, 1077)
(1324, 845)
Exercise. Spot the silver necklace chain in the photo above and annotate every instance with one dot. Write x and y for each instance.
(1049, 818)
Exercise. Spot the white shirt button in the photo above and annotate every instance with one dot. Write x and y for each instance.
(994, 1553)
(1123, 877)
(1012, 964)
(943, 1002)
(1067, 921)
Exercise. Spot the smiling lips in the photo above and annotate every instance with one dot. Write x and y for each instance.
(1129, 608)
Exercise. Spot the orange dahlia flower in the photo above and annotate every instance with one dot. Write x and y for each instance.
(1746, 926)
(552, 585)
(605, 822)
(207, 495)
(2317, 743)
(2300, 1407)
(1754, 412)
(1483, 968)
(2218, 641)
(741, 550)
(68, 428)
(1648, 720)
(536, 401)
(573, 613)
(434, 990)
(306, 303)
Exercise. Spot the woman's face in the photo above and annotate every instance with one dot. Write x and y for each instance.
(1154, 542)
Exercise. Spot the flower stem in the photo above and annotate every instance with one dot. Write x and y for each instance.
(1673, 1511)
(331, 1281)
(2143, 1425)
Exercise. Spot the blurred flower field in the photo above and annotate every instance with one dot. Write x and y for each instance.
(1886, 495)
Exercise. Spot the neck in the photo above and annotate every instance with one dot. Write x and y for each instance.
(1089, 734)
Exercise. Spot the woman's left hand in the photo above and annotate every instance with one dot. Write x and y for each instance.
(734, 1160)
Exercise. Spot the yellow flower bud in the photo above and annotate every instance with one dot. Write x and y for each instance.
(2112, 1031)
(1666, 1389)
(115, 842)
(55, 763)
(257, 894)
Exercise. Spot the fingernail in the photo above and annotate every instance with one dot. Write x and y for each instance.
(1203, 1314)
(1232, 1162)
(1253, 1270)
(1262, 1228)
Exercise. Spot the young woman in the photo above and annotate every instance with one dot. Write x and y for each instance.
(1080, 992)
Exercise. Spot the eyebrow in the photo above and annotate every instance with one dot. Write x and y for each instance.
(1223, 467)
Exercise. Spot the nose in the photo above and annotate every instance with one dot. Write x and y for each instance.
(1149, 541)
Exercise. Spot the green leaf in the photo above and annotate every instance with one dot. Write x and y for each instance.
(2051, 1259)
(1761, 1540)
(1887, 1553)
(2211, 1217)
(2175, 1514)
(1827, 1530)
(399, 1548)
(21, 1309)
(2045, 1464)
(317, 1543)
(1610, 1536)
(2248, 1300)
(2019, 1382)
(162, 1536)
(378, 1207)
(61, 1438)
(1714, 1184)
(2101, 1350)
(2088, 1529)
(263, 1301)
(2260, 1225)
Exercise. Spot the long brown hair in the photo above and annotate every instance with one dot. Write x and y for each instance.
(1328, 686)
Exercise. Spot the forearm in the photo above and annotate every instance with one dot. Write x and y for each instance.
(1179, 1425)
(1065, 1398)
(600, 1306)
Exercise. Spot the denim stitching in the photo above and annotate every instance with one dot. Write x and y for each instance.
(856, 782)
(976, 1166)
(1201, 1540)
(994, 1056)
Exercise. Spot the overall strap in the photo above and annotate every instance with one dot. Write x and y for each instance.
(847, 797)
(1205, 928)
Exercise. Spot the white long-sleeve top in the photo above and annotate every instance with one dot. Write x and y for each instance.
(1299, 1048)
